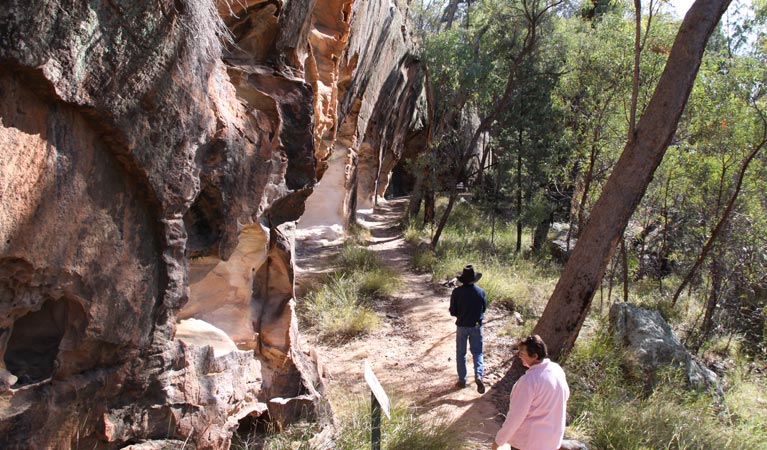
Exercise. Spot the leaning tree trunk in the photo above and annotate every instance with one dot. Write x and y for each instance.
(567, 308)
(711, 303)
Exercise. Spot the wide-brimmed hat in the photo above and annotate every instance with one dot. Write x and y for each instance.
(468, 275)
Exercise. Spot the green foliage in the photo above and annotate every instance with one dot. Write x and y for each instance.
(407, 429)
(615, 412)
(340, 306)
(378, 282)
(423, 260)
(561, 136)
(337, 310)
(353, 258)
(413, 233)
(516, 283)
(357, 234)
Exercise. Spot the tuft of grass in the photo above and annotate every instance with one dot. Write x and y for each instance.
(340, 306)
(413, 233)
(746, 405)
(353, 258)
(406, 430)
(378, 282)
(357, 234)
(423, 260)
(337, 311)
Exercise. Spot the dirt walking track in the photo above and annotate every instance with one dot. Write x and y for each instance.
(413, 352)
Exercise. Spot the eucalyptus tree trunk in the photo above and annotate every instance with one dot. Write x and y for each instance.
(449, 14)
(568, 306)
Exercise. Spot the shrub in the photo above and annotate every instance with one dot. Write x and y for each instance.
(413, 233)
(295, 437)
(357, 234)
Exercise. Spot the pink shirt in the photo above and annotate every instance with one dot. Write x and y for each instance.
(536, 418)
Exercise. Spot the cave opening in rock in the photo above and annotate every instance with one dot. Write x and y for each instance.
(34, 342)
(401, 182)
(203, 223)
(252, 429)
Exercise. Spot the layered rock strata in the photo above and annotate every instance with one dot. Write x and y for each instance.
(151, 175)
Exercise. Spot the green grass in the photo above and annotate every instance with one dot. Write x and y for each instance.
(357, 234)
(341, 305)
(336, 310)
(406, 430)
(609, 407)
(510, 280)
(423, 260)
(378, 282)
(615, 411)
(354, 258)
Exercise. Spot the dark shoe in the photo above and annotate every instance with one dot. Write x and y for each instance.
(460, 384)
(480, 386)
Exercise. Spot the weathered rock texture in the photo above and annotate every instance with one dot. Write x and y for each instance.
(149, 174)
(650, 345)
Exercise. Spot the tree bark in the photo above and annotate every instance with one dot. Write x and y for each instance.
(429, 206)
(416, 197)
(569, 304)
(711, 304)
(541, 232)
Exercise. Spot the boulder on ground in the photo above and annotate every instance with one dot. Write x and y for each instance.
(650, 345)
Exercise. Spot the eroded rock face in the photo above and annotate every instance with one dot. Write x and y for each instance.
(148, 175)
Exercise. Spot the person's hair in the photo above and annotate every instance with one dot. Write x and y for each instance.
(535, 346)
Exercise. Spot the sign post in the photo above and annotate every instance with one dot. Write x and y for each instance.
(379, 401)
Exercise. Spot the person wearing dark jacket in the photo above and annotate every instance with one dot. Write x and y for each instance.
(468, 303)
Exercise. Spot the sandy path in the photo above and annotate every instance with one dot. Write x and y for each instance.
(413, 352)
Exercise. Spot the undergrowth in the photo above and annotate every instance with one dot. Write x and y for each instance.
(341, 306)
(296, 436)
(407, 429)
(614, 411)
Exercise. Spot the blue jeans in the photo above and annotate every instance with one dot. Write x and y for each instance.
(474, 336)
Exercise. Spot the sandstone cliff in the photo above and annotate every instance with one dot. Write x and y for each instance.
(155, 158)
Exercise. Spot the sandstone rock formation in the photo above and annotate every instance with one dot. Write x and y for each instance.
(150, 174)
